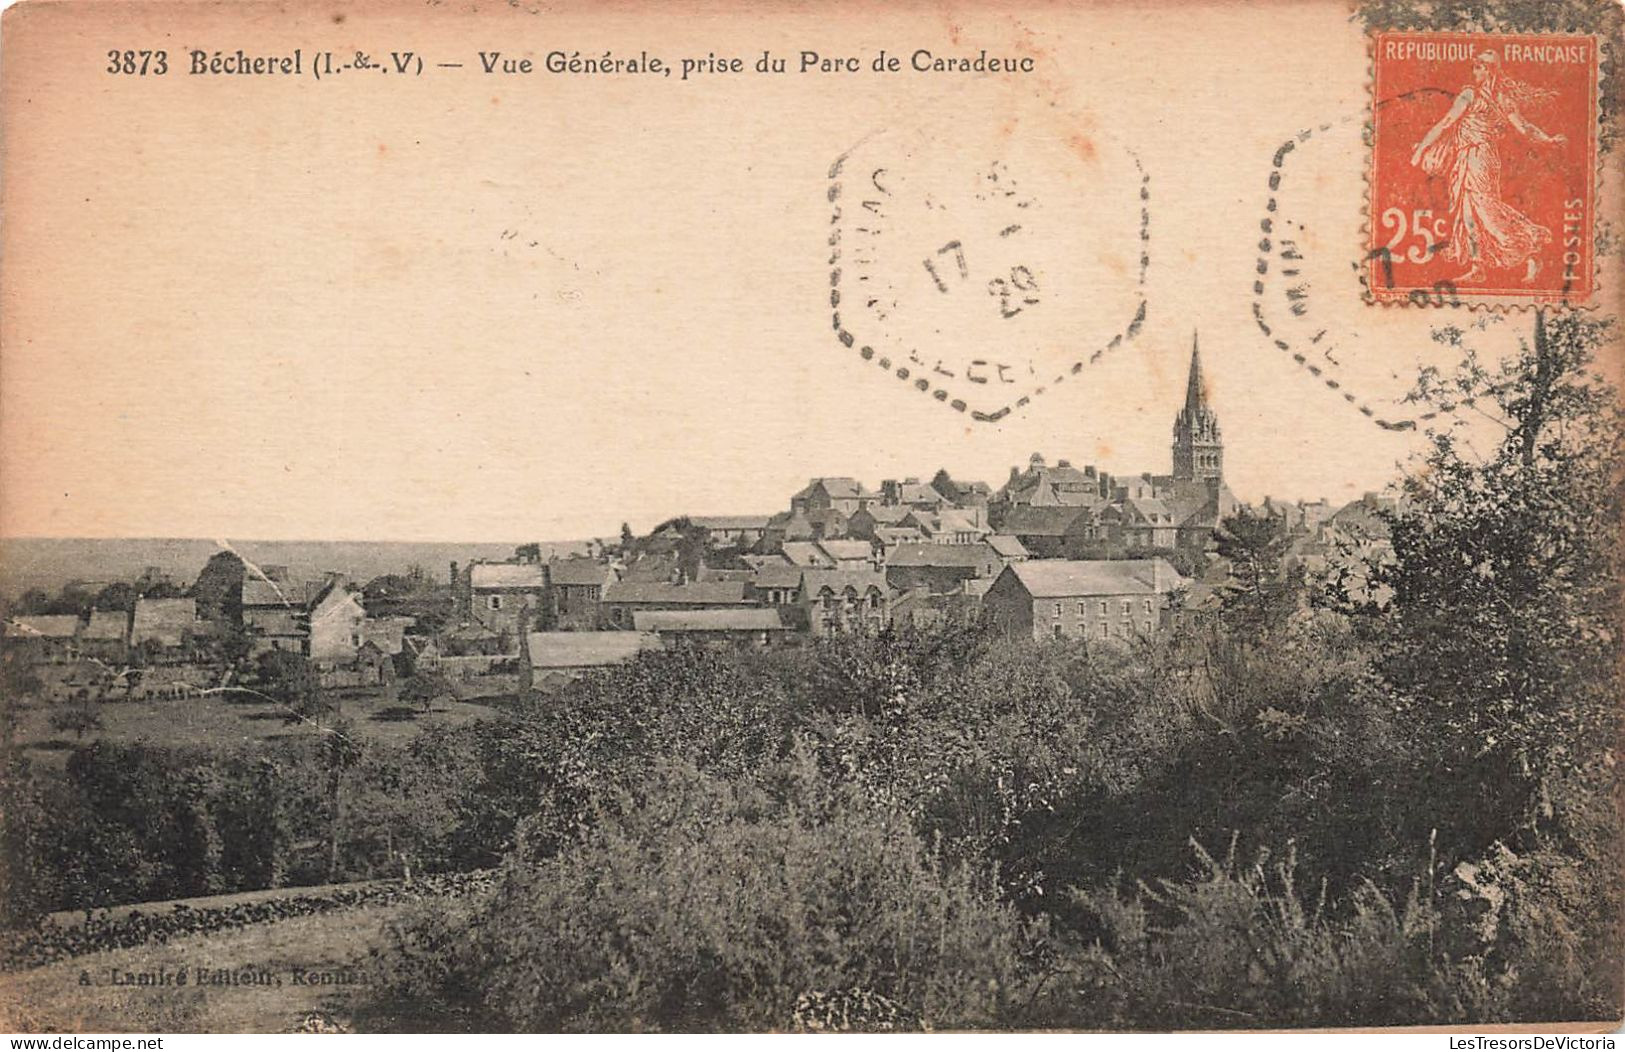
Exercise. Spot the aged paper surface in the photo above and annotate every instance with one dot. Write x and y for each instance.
(867, 517)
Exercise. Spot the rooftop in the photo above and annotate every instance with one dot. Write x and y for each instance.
(578, 572)
(969, 555)
(697, 593)
(549, 650)
(507, 575)
(747, 619)
(1052, 578)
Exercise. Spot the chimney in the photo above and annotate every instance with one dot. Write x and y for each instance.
(1063, 463)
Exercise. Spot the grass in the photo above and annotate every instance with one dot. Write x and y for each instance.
(223, 719)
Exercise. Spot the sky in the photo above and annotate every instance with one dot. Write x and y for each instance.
(466, 307)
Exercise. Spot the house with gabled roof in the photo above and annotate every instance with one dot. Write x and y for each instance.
(865, 524)
(835, 493)
(334, 623)
(950, 525)
(1110, 600)
(43, 638)
(569, 655)
(776, 584)
(741, 626)
(625, 598)
(499, 594)
(106, 635)
(938, 569)
(839, 601)
(576, 591)
(273, 612)
(911, 493)
(1053, 532)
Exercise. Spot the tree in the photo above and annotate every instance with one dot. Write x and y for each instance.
(78, 719)
(1501, 637)
(627, 537)
(116, 596)
(219, 588)
(1261, 594)
(424, 687)
(530, 553)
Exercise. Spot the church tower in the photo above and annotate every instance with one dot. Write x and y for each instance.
(1198, 449)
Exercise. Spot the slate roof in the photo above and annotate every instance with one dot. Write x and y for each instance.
(956, 555)
(1062, 578)
(839, 580)
(554, 650)
(165, 620)
(847, 551)
(1008, 546)
(779, 575)
(805, 553)
(919, 493)
(579, 572)
(748, 619)
(1024, 521)
(839, 487)
(696, 593)
(949, 520)
(257, 592)
(1150, 510)
(108, 624)
(43, 626)
(899, 534)
(507, 575)
(889, 514)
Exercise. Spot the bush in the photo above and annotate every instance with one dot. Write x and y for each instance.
(701, 904)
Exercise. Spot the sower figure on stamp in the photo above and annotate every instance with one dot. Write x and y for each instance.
(1484, 230)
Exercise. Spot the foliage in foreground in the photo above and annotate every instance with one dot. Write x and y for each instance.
(698, 904)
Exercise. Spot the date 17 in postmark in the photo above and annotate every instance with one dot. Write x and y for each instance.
(1483, 169)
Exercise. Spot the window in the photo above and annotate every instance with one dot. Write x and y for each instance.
(1058, 634)
(1148, 606)
(1080, 609)
(1147, 627)
(1105, 630)
(494, 602)
(1057, 609)
(1126, 605)
(1103, 608)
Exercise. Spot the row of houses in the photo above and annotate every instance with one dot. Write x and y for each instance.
(162, 629)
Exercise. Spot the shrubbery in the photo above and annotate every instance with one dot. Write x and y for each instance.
(697, 903)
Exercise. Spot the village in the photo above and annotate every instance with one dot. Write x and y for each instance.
(1056, 552)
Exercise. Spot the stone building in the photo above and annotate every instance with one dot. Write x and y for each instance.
(1117, 600)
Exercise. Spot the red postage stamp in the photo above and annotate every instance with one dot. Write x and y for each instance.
(1483, 169)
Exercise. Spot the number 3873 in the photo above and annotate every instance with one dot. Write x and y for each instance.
(138, 63)
(1426, 234)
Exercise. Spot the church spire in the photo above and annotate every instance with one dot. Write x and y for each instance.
(1195, 395)
(1198, 447)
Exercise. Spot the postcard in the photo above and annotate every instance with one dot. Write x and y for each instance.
(719, 516)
